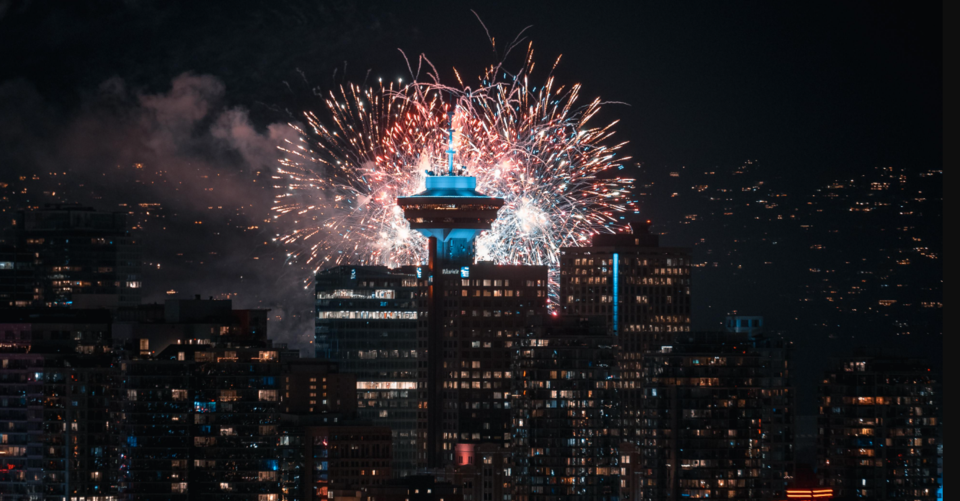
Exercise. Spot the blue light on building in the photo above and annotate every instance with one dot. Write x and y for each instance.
(616, 293)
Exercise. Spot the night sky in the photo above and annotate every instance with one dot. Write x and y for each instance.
(796, 94)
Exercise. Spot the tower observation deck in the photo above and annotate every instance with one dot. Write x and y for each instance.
(451, 210)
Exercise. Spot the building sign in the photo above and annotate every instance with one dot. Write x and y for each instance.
(465, 272)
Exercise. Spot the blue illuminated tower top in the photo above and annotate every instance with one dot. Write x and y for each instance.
(451, 209)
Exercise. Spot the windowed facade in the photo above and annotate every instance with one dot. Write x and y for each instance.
(879, 429)
(215, 436)
(639, 289)
(366, 321)
(78, 257)
(717, 419)
(481, 319)
(566, 424)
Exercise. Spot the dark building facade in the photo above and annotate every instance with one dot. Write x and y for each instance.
(341, 462)
(201, 421)
(879, 429)
(16, 276)
(640, 290)
(414, 488)
(57, 386)
(484, 471)
(367, 321)
(566, 420)
(483, 311)
(150, 328)
(79, 257)
(717, 415)
(312, 386)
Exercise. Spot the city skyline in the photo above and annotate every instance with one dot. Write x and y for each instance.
(316, 251)
(191, 141)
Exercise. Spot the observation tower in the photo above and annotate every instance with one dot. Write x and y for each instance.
(451, 211)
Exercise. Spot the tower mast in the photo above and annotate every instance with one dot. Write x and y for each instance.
(450, 150)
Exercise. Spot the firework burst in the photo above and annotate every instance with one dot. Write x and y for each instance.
(531, 145)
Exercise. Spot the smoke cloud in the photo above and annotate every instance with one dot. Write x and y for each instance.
(193, 173)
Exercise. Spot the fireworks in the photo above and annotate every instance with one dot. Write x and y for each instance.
(531, 145)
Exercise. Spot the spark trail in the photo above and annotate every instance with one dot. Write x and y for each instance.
(532, 145)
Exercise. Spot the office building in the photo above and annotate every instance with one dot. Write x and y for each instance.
(57, 383)
(879, 429)
(717, 416)
(79, 257)
(482, 318)
(566, 421)
(201, 420)
(367, 319)
(640, 290)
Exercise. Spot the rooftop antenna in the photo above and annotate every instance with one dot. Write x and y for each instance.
(450, 150)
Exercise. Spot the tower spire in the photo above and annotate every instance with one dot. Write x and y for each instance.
(450, 150)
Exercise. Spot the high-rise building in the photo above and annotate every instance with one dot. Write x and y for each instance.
(642, 290)
(716, 419)
(199, 402)
(331, 456)
(367, 318)
(639, 289)
(80, 258)
(201, 420)
(58, 437)
(373, 322)
(879, 429)
(566, 420)
(484, 312)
